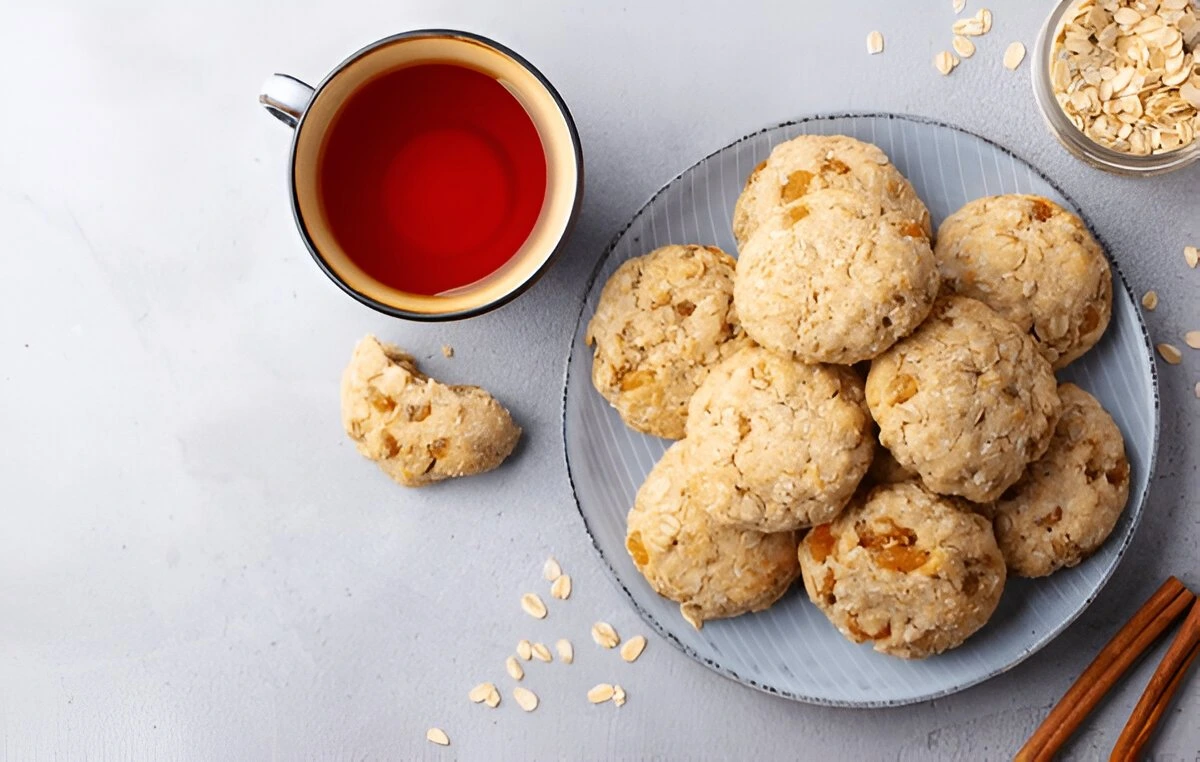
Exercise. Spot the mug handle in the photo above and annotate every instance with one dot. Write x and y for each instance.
(285, 97)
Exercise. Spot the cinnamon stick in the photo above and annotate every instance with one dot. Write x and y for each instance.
(1162, 685)
(1155, 615)
(1165, 700)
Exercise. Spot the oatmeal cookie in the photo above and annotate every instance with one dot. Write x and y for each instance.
(712, 571)
(1068, 502)
(966, 401)
(1033, 262)
(662, 321)
(885, 469)
(417, 429)
(794, 439)
(834, 281)
(915, 572)
(810, 163)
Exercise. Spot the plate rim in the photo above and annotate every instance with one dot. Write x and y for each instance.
(1138, 504)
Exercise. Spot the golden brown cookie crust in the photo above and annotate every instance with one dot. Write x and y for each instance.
(1068, 501)
(794, 439)
(1033, 262)
(833, 280)
(662, 321)
(712, 571)
(966, 401)
(811, 163)
(914, 572)
(417, 429)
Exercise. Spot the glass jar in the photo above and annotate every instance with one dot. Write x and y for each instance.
(1073, 138)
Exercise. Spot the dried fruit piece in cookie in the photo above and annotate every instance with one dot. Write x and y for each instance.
(1069, 500)
(834, 280)
(662, 321)
(1033, 262)
(417, 429)
(966, 401)
(712, 571)
(914, 572)
(810, 163)
(794, 439)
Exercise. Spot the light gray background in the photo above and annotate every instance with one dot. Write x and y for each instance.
(194, 562)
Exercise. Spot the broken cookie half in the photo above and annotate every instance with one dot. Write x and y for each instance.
(417, 429)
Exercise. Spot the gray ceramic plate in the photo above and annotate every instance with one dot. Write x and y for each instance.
(791, 650)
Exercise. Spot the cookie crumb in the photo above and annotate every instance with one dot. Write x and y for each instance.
(1150, 300)
(447, 350)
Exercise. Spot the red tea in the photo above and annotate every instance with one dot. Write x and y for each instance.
(432, 177)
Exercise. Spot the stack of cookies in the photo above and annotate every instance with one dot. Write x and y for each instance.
(861, 408)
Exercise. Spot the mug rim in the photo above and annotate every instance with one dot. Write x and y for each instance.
(576, 201)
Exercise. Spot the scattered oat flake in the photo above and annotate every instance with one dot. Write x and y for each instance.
(1192, 339)
(604, 635)
(874, 43)
(959, 5)
(1150, 300)
(618, 698)
(541, 653)
(566, 653)
(963, 46)
(1014, 54)
(551, 570)
(600, 693)
(944, 62)
(1198, 389)
(985, 18)
(971, 27)
(447, 350)
(493, 698)
(1191, 255)
(437, 736)
(1170, 353)
(480, 692)
(525, 698)
(525, 650)
(513, 667)
(561, 587)
(633, 648)
(533, 605)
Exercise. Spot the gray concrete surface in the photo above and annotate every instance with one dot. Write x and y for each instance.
(195, 564)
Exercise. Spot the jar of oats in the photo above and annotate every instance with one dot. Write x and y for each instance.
(1118, 81)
